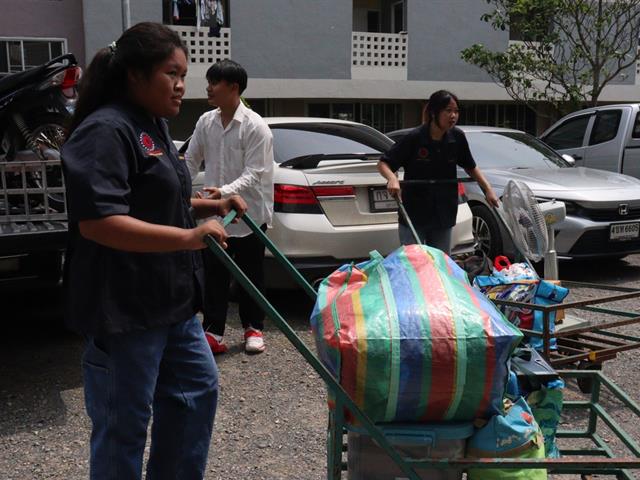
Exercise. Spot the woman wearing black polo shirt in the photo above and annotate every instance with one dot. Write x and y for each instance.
(133, 271)
(431, 152)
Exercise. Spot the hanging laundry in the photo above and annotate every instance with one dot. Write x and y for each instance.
(176, 11)
(217, 18)
(175, 7)
(203, 13)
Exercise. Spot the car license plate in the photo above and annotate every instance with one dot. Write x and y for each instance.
(624, 231)
(381, 201)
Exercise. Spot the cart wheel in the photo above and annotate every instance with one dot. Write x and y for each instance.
(586, 384)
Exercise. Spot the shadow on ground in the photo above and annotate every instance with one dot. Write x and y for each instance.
(602, 270)
(39, 360)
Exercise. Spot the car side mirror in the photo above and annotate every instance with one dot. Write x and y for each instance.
(569, 159)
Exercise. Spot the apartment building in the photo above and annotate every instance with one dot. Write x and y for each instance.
(34, 31)
(373, 61)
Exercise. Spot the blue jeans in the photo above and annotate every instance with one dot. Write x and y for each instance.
(434, 237)
(170, 368)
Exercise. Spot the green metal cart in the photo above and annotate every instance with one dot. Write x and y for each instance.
(585, 345)
(597, 459)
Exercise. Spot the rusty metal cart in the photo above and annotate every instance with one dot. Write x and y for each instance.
(599, 459)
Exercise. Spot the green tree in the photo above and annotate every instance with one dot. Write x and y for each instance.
(568, 50)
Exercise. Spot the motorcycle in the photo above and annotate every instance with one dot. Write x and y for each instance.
(35, 107)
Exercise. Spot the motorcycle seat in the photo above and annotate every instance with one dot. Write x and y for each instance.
(11, 82)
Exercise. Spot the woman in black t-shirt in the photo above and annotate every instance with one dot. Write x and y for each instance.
(432, 151)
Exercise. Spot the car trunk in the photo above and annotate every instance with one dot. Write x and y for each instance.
(366, 203)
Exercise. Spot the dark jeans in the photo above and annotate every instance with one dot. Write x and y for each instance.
(248, 253)
(170, 368)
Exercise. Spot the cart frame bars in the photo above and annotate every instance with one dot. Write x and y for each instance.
(583, 463)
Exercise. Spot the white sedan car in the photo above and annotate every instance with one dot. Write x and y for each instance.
(331, 205)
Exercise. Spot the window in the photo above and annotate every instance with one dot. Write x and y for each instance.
(518, 117)
(262, 106)
(373, 21)
(514, 150)
(186, 13)
(397, 17)
(568, 135)
(19, 54)
(292, 141)
(636, 127)
(384, 117)
(605, 127)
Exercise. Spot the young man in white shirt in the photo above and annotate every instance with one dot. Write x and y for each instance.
(236, 146)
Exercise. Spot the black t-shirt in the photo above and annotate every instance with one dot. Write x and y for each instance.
(119, 161)
(425, 159)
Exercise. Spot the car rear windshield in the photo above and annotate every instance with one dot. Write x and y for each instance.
(512, 150)
(293, 140)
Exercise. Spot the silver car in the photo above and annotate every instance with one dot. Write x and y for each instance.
(603, 208)
(331, 204)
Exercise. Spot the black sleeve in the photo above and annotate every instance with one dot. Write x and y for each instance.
(96, 161)
(401, 151)
(465, 159)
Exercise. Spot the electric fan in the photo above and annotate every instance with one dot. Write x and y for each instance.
(531, 225)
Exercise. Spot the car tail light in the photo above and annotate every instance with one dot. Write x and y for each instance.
(295, 199)
(462, 193)
(301, 199)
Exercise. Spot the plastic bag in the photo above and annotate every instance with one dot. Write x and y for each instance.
(546, 405)
(410, 340)
(512, 435)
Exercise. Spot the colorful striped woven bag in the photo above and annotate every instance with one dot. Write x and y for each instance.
(411, 341)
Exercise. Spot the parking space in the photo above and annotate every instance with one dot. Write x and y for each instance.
(272, 414)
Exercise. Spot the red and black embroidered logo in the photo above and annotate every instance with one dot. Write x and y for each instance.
(148, 144)
(146, 141)
(423, 153)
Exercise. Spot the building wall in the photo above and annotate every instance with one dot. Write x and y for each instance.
(44, 18)
(292, 38)
(102, 20)
(439, 30)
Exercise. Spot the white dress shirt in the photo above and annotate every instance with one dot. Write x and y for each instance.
(237, 160)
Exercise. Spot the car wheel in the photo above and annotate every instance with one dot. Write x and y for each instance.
(486, 231)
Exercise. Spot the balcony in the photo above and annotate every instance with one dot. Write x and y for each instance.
(203, 49)
(378, 56)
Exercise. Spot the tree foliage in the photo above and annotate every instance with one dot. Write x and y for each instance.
(568, 51)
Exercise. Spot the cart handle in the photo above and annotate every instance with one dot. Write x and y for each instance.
(404, 213)
(437, 181)
(282, 260)
(341, 395)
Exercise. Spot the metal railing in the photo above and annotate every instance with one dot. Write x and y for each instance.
(204, 49)
(32, 191)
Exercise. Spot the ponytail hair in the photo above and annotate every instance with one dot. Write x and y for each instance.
(438, 101)
(140, 49)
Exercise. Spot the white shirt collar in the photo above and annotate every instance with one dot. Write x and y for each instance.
(239, 115)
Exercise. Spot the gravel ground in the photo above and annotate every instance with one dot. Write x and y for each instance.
(271, 418)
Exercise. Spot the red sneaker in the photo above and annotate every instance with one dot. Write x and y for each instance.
(216, 346)
(253, 341)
